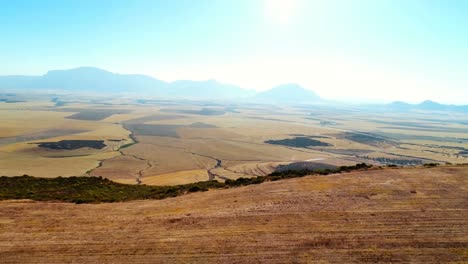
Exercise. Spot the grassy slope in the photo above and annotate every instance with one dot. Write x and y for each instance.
(416, 215)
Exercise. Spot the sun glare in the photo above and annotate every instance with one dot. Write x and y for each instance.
(279, 11)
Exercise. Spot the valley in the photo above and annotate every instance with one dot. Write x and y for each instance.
(155, 143)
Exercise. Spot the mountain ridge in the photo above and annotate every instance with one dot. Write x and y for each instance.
(92, 79)
(426, 105)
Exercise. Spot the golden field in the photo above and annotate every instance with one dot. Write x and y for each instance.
(160, 144)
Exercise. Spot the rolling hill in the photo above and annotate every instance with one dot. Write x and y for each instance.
(292, 93)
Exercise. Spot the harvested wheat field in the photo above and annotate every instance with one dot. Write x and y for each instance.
(417, 215)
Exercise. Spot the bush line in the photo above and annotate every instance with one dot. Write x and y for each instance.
(97, 189)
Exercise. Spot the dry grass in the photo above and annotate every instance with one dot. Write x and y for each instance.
(175, 178)
(12, 164)
(120, 167)
(377, 216)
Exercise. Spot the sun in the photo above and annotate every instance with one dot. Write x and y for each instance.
(279, 11)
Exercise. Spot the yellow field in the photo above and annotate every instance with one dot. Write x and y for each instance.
(175, 178)
(173, 143)
(25, 157)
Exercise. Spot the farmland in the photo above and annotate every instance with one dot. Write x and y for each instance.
(176, 142)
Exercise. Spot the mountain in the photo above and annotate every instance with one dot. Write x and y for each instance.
(288, 93)
(433, 106)
(94, 79)
(427, 105)
(84, 79)
(206, 89)
(399, 106)
(89, 79)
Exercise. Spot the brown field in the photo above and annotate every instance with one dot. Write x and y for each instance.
(414, 215)
(175, 178)
(184, 136)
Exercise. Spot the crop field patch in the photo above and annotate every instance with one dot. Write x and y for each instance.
(73, 144)
(401, 136)
(351, 152)
(163, 130)
(154, 130)
(41, 135)
(203, 111)
(158, 117)
(408, 123)
(309, 136)
(92, 114)
(299, 142)
(121, 167)
(175, 178)
(367, 138)
(255, 168)
(431, 129)
(396, 161)
(305, 166)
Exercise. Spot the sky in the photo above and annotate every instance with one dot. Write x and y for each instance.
(363, 50)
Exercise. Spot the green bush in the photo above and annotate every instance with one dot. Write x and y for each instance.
(97, 189)
(196, 188)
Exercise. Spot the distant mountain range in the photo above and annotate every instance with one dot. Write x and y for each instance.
(427, 105)
(89, 79)
(83, 79)
(95, 80)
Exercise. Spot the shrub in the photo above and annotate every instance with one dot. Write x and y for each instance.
(197, 188)
(97, 189)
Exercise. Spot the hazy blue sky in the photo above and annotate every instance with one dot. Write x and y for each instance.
(368, 49)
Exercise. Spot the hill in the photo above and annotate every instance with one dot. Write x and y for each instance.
(290, 93)
(416, 215)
